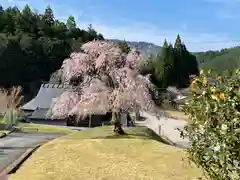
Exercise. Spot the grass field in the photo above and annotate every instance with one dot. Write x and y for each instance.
(26, 127)
(3, 131)
(2, 121)
(41, 128)
(98, 154)
(171, 112)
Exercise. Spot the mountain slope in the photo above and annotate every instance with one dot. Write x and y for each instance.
(218, 60)
(144, 47)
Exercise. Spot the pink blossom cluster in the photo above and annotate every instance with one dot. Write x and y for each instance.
(113, 82)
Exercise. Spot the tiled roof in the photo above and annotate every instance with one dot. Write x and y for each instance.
(41, 113)
(45, 95)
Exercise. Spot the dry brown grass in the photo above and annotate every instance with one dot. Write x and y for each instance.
(10, 98)
(97, 154)
(3, 102)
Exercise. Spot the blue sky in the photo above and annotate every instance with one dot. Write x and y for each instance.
(200, 23)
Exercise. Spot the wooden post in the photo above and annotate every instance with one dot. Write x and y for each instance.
(160, 129)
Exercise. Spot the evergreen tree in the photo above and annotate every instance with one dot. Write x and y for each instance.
(9, 20)
(178, 44)
(100, 37)
(164, 67)
(124, 46)
(2, 22)
(48, 16)
(25, 20)
(26, 12)
(185, 64)
(92, 34)
(71, 23)
(33, 45)
(172, 66)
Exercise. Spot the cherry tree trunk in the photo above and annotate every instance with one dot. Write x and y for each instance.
(117, 123)
(137, 115)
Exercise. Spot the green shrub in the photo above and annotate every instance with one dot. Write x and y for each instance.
(11, 118)
(215, 125)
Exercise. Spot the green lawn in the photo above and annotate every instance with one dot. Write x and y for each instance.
(3, 131)
(41, 128)
(171, 112)
(2, 121)
(98, 154)
(26, 127)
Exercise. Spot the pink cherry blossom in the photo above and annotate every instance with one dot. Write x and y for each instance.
(78, 64)
(63, 104)
(112, 82)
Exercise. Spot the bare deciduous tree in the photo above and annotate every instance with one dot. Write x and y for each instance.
(110, 82)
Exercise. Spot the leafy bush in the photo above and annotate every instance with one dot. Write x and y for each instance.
(215, 125)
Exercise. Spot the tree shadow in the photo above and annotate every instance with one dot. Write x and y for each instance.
(144, 136)
(141, 118)
(138, 132)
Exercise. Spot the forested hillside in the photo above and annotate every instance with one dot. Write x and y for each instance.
(33, 45)
(219, 60)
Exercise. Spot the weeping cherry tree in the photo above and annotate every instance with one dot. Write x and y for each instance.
(106, 80)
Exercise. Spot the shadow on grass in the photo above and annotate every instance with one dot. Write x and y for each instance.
(131, 133)
(133, 136)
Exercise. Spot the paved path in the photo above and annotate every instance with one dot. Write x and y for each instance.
(15, 144)
(168, 128)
